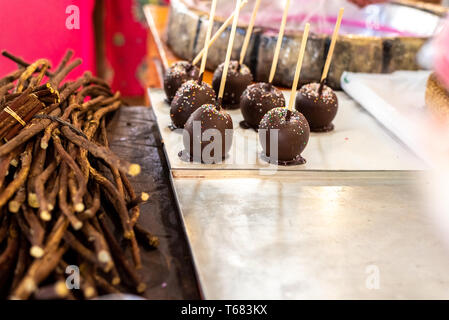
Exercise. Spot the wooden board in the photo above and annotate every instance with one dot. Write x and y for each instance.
(168, 271)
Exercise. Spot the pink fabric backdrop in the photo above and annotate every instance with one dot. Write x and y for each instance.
(125, 38)
(35, 29)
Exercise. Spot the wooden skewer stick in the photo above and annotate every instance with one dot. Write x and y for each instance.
(208, 34)
(299, 66)
(229, 51)
(249, 32)
(331, 48)
(156, 37)
(218, 33)
(279, 43)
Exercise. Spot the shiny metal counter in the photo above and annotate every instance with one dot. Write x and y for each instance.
(342, 236)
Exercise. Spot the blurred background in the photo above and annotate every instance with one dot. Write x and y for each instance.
(113, 38)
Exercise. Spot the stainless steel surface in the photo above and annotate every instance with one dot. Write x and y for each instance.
(313, 235)
(359, 142)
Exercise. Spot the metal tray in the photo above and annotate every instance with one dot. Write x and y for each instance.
(359, 143)
(350, 224)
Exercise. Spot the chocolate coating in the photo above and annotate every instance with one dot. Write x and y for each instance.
(257, 100)
(236, 82)
(203, 119)
(293, 136)
(189, 97)
(318, 110)
(176, 75)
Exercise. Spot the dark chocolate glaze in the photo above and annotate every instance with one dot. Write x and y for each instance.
(207, 117)
(257, 100)
(319, 110)
(239, 77)
(245, 125)
(295, 162)
(293, 136)
(176, 75)
(190, 96)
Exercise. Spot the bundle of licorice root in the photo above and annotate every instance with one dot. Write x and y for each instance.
(67, 208)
